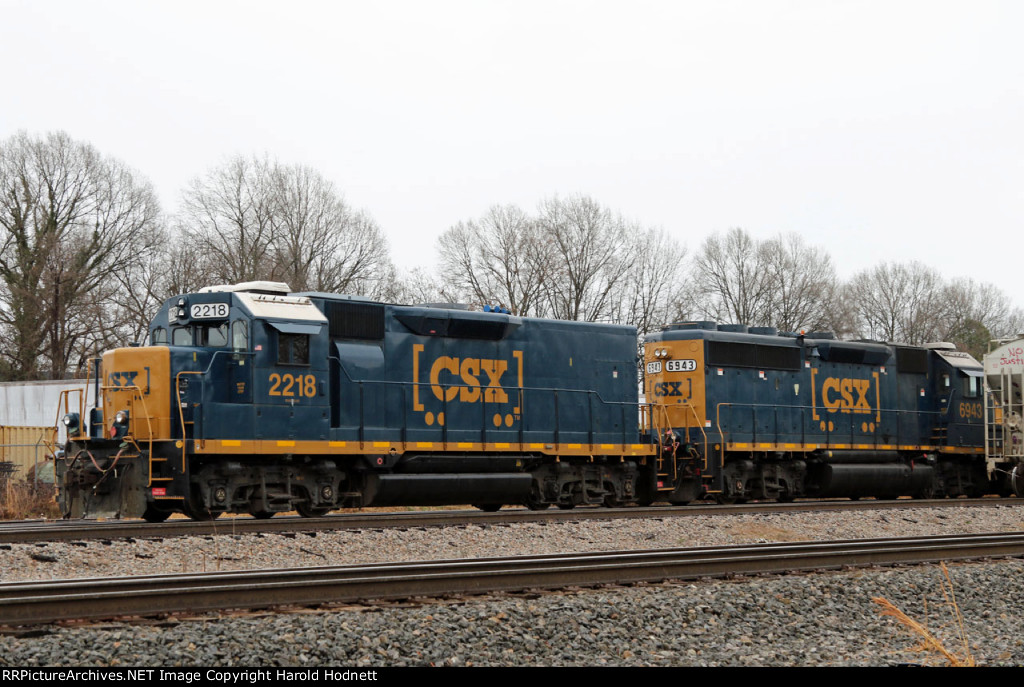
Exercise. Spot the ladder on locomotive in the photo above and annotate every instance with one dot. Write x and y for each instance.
(1004, 420)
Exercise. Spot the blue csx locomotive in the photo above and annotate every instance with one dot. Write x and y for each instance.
(253, 399)
(756, 414)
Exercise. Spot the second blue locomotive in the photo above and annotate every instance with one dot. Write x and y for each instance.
(748, 413)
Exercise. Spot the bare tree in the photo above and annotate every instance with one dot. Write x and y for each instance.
(654, 285)
(591, 256)
(420, 286)
(800, 279)
(975, 313)
(839, 311)
(733, 277)
(69, 220)
(500, 259)
(898, 302)
(229, 215)
(320, 243)
(258, 219)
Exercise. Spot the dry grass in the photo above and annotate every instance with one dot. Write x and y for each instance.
(929, 643)
(24, 500)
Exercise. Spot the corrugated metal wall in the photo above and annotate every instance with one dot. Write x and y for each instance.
(28, 411)
(25, 447)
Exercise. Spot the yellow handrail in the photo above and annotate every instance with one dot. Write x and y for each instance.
(181, 414)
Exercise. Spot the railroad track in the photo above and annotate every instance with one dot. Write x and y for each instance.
(33, 603)
(77, 530)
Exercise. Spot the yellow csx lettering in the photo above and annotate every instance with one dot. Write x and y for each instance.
(467, 372)
(838, 395)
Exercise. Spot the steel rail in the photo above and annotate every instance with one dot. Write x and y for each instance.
(27, 603)
(74, 530)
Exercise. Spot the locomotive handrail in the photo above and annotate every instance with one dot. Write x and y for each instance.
(83, 401)
(697, 424)
(181, 413)
(149, 423)
(829, 431)
(209, 368)
(591, 397)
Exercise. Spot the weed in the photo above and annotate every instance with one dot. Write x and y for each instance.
(24, 500)
(928, 641)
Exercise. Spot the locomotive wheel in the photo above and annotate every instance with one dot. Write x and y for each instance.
(534, 503)
(306, 511)
(1017, 479)
(154, 514)
(728, 500)
(193, 509)
(204, 515)
(612, 501)
(926, 493)
(488, 507)
(565, 506)
(262, 514)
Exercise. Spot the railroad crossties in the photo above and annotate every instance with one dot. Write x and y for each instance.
(612, 626)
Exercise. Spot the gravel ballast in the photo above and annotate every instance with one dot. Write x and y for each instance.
(819, 619)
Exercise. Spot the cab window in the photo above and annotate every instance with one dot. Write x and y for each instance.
(159, 337)
(181, 336)
(972, 387)
(292, 349)
(212, 335)
(239, 335)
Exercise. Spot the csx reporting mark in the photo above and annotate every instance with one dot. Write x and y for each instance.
(122, 379)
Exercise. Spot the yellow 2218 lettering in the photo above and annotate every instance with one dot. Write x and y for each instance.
(293, 385)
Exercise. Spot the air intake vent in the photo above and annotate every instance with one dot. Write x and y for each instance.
(364, 321)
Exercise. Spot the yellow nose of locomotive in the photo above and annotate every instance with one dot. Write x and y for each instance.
(136, 399)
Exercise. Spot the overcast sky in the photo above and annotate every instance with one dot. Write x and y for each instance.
(890, 130)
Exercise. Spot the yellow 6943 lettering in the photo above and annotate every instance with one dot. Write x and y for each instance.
(292, 385)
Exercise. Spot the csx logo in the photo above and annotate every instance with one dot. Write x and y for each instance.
(846, 395)
(663, 389)
(121, 379)
(468, 372)
(466, 379)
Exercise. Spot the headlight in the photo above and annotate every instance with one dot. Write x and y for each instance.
(121, 418)
(70, 421)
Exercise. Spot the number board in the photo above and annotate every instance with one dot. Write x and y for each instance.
(209, 311)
